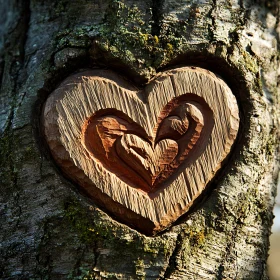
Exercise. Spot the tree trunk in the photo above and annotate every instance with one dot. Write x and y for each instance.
(50, 229)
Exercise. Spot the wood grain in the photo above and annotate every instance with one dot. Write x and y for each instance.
(144, 155)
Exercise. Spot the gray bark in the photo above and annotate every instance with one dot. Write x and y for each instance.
(49, 230)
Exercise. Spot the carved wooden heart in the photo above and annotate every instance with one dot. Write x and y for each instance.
(144, 155)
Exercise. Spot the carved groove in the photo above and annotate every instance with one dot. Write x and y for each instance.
(143, 161)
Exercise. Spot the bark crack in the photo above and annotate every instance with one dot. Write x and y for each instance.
(17, 50)
(211, 27)
(230, 244)
(2, 66)
(157, 16)
(171, 267)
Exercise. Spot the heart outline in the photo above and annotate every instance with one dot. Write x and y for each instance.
(63, 136)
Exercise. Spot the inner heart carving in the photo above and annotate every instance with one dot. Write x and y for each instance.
(145, 160)
(143, 155)
(141, 160)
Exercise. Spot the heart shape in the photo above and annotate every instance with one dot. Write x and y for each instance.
(147, 161)
(144, 155)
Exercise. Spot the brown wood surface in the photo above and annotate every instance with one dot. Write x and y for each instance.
(144, 155)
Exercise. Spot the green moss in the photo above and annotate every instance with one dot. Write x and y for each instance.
(5, 152)
(271, 142)
(149, 246)
(83, 274)
(7, 158)
(196, 237)
(126, 34)
(156, 39)
(249, 62)
(81, 221)
(140, 267)
(29, 153)
(88, 224)
(60, 7)
(93, 229)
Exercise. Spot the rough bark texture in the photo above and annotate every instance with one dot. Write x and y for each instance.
(51, 231)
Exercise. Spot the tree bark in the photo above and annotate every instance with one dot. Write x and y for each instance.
(49, 228)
